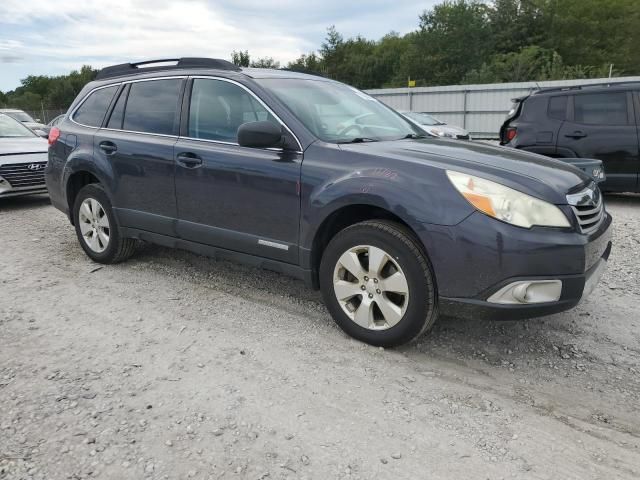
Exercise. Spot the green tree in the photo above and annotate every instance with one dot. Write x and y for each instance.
(240, 58)
(454, 37)
(266, 62)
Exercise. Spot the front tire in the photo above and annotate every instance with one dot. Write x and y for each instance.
(377, 283)
(96, 227)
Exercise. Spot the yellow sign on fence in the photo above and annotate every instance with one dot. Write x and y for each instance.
(412, 83)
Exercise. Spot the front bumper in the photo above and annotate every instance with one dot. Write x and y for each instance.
(480, 256)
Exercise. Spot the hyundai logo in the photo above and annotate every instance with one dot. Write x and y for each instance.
(35, 166)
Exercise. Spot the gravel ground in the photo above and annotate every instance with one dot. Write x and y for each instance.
(173, 365)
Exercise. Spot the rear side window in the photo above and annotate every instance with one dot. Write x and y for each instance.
(153, 106)
(218, 108)
(94, 108)
(115, 121)
(601, 109)
(558, 107)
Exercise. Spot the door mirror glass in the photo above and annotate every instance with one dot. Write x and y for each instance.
(263, 134)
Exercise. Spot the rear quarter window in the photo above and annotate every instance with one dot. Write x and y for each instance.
(557, 107)
(92, 111)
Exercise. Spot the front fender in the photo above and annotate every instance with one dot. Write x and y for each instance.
(416, 200)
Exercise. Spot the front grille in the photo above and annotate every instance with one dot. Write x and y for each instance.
(24, 175)
(588, 207)
(462, 137)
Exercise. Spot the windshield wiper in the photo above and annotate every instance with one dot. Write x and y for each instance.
(413, 135)
(359, 140)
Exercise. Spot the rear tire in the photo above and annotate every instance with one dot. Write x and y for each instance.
(378, 265)
(96, 227)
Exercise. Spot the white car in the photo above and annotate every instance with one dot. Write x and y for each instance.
(435, 127)
(23, 158)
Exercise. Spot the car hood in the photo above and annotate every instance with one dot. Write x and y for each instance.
(536, 175)
(11, 145)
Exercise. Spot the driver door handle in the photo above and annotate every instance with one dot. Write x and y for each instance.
(189, 160)
(576, 134)
(108, 147)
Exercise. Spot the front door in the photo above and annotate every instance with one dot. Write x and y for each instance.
(602, 126)
(233, 197)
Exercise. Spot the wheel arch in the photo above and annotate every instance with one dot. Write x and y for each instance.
(344, 216)
(75, 181)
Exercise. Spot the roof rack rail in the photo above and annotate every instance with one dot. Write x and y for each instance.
(587, 85)
(156, 65)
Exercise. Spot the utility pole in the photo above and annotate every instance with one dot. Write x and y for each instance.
(610, 70)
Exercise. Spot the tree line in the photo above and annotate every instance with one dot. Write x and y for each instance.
(456, 42)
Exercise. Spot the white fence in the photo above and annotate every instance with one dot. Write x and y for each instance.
(480, 109)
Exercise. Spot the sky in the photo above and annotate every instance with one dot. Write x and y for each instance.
(53, 37)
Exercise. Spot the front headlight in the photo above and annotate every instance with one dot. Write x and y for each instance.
(507, 204)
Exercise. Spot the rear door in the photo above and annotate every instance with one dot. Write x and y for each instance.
(636, 107)
(137, 141)
(602, 126)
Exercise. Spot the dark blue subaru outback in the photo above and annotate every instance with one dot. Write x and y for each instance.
(315, 179)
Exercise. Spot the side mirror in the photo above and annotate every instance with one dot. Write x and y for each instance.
(41, 133)
(37, 120)
(260, 135)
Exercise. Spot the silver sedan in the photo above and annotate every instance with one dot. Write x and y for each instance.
(23, 157)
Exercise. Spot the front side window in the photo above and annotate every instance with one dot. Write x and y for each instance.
(218, 108)
(337, 113)
(601, 109)
(94, 108)
(153, 106)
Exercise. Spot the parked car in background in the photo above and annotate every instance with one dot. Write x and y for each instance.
(310, 177)
(590, 121)
(52, 123)
(26, 119)
(23, 156)
(436, 127)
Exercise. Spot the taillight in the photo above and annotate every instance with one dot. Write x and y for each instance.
(54, 135)
(511, 133)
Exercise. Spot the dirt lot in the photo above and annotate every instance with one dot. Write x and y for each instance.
(177, 366)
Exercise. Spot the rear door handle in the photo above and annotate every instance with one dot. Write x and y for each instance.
(576, 134)
(189, 160)
(108, 147)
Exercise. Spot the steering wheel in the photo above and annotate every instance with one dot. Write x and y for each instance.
(348, 128)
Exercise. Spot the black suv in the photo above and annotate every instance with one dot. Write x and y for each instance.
(599, 121)
(313, 178)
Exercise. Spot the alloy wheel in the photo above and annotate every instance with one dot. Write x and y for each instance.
(94, 225)
(371, 287)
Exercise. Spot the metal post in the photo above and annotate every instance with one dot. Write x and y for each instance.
(464, 111)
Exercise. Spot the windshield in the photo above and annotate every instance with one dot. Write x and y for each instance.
(11, 128)
(337, 113)
(20, 116)
(423, 118)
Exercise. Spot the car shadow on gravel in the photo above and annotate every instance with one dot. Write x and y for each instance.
(23, 203)
(493, 342)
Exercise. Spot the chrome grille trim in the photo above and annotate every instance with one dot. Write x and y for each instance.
(588, 207)
(19, 175)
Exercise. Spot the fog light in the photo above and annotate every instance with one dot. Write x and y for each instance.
(527, 292)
